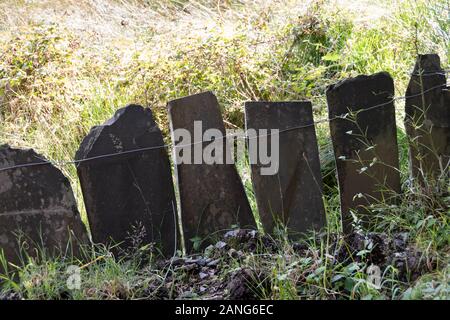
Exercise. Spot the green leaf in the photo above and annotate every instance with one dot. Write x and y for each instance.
(349, 284)
(196, 241)
(332, 56)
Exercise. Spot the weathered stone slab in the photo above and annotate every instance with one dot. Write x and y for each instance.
(427, 118)
(212, 196)
(37, 206)
(129, 195)
(366, 150)
(293, 195)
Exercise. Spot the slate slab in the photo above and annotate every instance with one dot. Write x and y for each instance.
(293, 196)
(129, 196)
(37, 207)
(212, 196)
(427, 118)
(365, 146)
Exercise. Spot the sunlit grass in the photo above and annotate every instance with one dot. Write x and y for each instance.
(62, 74)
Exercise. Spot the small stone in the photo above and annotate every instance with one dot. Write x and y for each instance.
(202, 262)
(203, 275)
(220, 245)
(214, 263)
(231, 234)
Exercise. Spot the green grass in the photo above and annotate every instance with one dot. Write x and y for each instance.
(56, 82)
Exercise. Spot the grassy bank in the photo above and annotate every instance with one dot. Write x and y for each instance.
(64, 69)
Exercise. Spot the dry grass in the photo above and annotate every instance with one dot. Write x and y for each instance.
(68, 65)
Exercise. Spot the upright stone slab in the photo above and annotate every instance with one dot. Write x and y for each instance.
(212, 196)
(128, 196)
(427, 118)
(293, 195)
(366, 150)
(37, 207)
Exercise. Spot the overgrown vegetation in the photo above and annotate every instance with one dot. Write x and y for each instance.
(61, 76)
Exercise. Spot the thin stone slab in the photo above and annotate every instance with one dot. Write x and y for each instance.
(129, 195)
(366, 150)
(212, 196)
(292, 196)
(427, 118)
(37, 207)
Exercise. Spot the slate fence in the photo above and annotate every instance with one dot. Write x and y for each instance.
(126, 176)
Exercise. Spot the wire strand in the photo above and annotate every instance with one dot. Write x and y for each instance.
(109, 155)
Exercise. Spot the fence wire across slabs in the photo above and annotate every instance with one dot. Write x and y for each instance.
(324, 120)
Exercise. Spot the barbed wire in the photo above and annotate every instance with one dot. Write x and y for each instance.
(137, 150)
